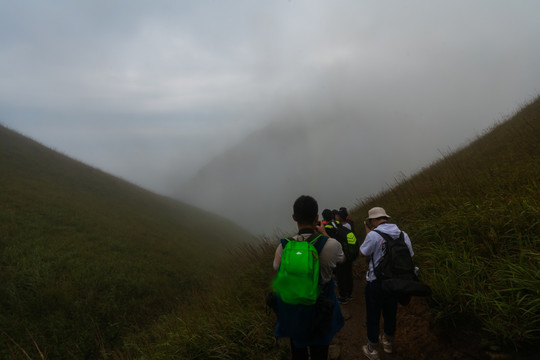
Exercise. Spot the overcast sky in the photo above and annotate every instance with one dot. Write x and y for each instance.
(153, 90)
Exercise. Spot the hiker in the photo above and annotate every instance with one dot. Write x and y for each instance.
(328, 222)
(347, 221)
(377, 300)
(334, 214)
(344, 271)
(309, 338)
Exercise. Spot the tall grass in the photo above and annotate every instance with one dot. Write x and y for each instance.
(229, 322)
(474, 217)
(87, 258)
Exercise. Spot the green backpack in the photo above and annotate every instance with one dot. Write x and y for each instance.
(297, 280)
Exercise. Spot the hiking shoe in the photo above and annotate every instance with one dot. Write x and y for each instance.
(386, 344)
(370, 352)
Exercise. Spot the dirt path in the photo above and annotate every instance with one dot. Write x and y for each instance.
(414, 339)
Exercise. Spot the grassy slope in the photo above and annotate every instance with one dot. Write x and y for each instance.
(230, 324)
(86, 257)
(474, 217)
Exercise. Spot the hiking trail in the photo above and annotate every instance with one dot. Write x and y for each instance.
(416, 337)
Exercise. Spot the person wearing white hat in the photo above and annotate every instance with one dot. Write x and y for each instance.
(377, 300)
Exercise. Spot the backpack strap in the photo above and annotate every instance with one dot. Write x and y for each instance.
(385, 236)
(317, 240)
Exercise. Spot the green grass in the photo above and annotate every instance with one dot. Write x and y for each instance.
(474, 218)
(87, 258)
(232, 323)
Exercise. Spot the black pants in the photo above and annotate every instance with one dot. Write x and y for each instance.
(379, 302)
(318, 352)
(344, 277)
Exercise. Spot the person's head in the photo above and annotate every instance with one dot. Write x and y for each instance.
(377, 216)
(305, 210)
(327, 215)
(342, 214)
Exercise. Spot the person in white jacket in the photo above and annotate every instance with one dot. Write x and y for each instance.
(379, 301)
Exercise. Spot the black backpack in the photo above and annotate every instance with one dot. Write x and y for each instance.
(348, 241)
(396, 262)
(397, 272)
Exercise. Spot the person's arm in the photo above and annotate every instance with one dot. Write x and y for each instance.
(321, 229)
(367, 247)
(368, 226)
(408, 242)
(277, 257)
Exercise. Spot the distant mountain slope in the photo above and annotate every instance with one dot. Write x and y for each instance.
(257, 177)
(334, 160)
(86, 256)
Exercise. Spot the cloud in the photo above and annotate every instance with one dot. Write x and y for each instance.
(153, 91)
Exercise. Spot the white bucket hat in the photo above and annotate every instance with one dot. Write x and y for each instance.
(377, 212)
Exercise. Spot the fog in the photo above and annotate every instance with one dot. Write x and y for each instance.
(339, 149)
(239, 107)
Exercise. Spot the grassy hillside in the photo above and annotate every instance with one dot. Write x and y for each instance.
(474, 217)
(87, 258)
(230, 324)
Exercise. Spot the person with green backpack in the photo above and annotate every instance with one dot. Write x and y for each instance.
(306, 304)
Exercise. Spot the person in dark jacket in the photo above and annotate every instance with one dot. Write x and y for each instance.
(344, 270)
(344, 215)
(329, 222)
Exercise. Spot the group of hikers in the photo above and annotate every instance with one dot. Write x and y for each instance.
(319, 258)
